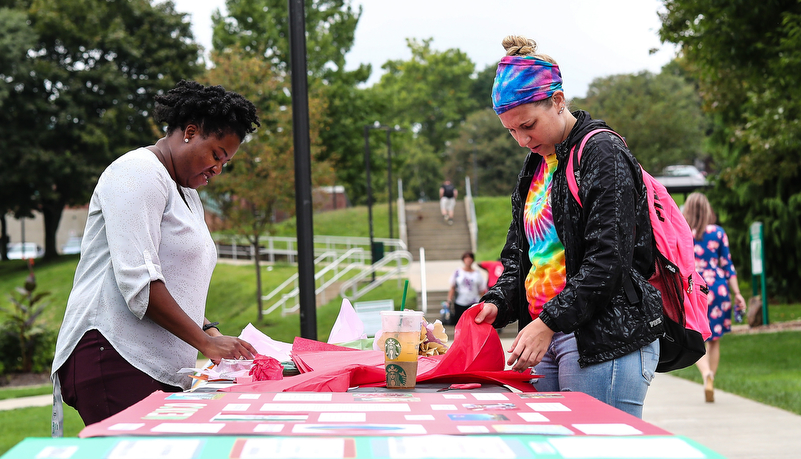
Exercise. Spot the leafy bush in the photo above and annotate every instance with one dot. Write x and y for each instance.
(21, 324)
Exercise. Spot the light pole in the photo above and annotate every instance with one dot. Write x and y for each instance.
(389, 129)
(367, 128)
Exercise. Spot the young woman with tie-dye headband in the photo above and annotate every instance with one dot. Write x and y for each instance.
(575, 278)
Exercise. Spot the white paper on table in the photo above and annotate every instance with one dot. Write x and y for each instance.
(489, 396)
(348, 326)
(449, 446)
(57, 452)
(173, 448)
(265, 345)
(342, 417)
(533, 417)
(547, 407)
(607, 429)
(302, 397)
(472, 429)
(196, 427)
(127, 426)
(277, 448)
(620, 448)
(334, 407)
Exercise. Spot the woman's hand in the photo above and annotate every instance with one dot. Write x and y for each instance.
(739, 302)
(530, 345)
(487, 314)
(227, 347)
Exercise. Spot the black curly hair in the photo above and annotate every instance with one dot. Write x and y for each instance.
(215, 110)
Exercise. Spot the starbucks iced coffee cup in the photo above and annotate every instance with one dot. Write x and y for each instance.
(401, 331)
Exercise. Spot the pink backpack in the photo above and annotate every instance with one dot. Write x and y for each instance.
(684, 291)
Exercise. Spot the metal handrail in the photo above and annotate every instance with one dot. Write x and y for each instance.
(470, 208)
(286, 246)
(333, 266)
(392, 257)
(291, 279)
(403, 231)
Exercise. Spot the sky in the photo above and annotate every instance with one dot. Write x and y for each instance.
(588, 38)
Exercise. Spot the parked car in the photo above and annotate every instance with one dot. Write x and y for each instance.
(20, 251)
(682, 170)
(72, 246)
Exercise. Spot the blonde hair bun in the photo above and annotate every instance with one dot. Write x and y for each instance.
(518, 45)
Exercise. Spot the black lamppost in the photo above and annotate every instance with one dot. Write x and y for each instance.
(367, 129)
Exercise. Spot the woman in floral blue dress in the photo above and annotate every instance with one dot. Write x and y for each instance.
(713, 263)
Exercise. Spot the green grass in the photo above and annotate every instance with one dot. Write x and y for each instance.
(352, 221)
(18, 424)
(762, 367)
(28, 391)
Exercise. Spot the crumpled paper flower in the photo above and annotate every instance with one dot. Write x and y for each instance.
(431, 348)
(266, 368)
(429, 333)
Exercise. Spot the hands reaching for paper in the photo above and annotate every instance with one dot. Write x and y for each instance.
(530, 344)
(228, 347)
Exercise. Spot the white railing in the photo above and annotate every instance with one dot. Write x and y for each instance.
(289, 302)
(470, 209)
(401, 258)
(402, 230)
(281, 246)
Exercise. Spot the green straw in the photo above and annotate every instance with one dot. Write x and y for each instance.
(405, 287)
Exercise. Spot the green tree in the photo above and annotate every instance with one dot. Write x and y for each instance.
(747, 59)
(660, 116)
(17, 38)
(487, 153)
(261, 28)
(260, 181)
(431, 90)
(86, 99)
(481, 88)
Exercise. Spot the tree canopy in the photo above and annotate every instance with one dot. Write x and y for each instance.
(747, 59)
(87, 93)
(659, 115)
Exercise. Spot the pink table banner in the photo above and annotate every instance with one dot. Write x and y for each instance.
(370, 414)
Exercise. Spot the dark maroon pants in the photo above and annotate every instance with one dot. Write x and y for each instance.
(98, 382)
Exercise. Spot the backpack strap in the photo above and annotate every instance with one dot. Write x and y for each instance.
(571, 176)
(628, 284)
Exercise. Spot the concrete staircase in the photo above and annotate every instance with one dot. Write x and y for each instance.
(426, 228)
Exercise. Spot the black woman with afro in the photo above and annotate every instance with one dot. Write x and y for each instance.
(136, 312)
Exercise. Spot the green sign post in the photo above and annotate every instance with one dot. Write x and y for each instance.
(758, 267)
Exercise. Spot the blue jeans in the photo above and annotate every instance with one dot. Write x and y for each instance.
(622, 382)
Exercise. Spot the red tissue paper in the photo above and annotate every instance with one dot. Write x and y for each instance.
(266, 368)
(476, 355)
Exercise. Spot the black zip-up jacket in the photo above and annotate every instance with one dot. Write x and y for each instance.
(609, 250)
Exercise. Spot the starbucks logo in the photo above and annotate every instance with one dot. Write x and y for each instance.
(396, 376)
(392, 348)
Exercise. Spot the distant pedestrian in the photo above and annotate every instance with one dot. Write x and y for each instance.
(467, 286)
(447, 200)
(713, 262)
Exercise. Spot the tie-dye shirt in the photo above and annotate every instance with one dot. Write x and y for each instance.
(547, 276)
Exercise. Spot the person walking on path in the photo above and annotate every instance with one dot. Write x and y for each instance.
(575, 279)
(713, 263)
(467, 286)
(447, 200)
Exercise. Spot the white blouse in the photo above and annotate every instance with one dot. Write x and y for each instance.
(139, 230)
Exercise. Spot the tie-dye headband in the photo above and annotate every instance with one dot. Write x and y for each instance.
(523, 79)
